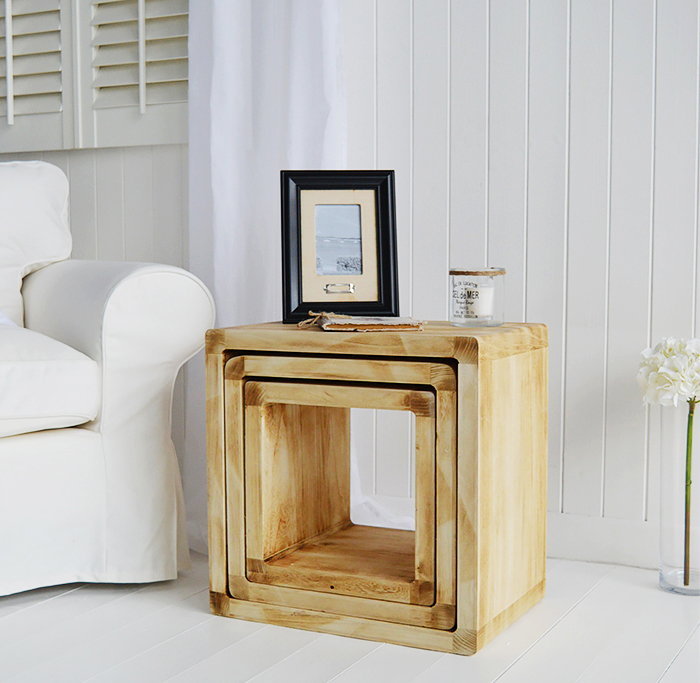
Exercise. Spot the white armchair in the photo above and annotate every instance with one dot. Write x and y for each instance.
(89, 482)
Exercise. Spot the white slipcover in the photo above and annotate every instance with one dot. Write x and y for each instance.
(102, 502)
(44, 384)
(33, 225)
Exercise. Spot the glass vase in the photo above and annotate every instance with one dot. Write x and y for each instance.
(679, 562)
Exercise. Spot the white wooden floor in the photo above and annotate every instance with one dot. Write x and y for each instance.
(597, 623)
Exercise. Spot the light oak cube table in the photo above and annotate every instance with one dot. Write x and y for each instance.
(282, 547)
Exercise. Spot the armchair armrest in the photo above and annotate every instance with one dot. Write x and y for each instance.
(140, 322)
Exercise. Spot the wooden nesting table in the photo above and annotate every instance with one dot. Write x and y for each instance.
(282, 548)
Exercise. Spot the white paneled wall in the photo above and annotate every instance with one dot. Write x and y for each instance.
(557, 138)
(128, 204)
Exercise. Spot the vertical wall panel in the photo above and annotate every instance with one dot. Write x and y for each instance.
(675, 178)
(167, 205)
(587, 256)
(360, 32)
(630, 226)
(109, 174)
(468, 133)
(138, 205)
(547, 202)
(507, 147)
(394, 121)
(675, 183)
(359, 43)
(430, 158)
(185, 203)
(83, 204)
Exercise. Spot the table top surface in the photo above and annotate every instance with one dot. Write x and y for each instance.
(438, 339)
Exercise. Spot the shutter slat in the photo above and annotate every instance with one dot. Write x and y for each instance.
(159, 72)
(20, 7)
(37, 84)
(117, 75)
(108, 98)
(117, 54)
(164, 93)
(115, 34)
(115, 13)
(169, 27)
(36, 104)
(159, 50)
(35, 23)
(166, 72)
(34, 64)
(128, 96)
(38, 43)
(34, 6)
(156, 51)
(166, 8)
(37, 64)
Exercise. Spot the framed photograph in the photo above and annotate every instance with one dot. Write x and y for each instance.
(338, 243)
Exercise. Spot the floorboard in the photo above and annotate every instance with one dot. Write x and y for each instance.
(686, 665)
(597, 624)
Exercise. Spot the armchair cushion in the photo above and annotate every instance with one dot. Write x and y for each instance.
(45, 384)
(33, 226)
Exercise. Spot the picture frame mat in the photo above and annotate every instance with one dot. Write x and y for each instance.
(366, 284)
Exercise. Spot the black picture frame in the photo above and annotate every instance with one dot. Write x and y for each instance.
(300, 276)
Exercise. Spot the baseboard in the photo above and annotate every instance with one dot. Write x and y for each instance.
(603, 539)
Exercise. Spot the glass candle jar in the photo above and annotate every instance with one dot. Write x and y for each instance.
(476, 297)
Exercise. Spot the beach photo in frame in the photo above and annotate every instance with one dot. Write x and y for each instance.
(338, 243)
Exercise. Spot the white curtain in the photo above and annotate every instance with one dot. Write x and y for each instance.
(277, 102)
(267, 93)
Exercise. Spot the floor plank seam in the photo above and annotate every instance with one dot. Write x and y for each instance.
(556, 623)
(675, 657)
(379, 647)
(159, 644)
(42, 602)
(220, 652)
(140, 589)
(291, 654)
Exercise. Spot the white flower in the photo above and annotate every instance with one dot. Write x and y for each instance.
(671, 372)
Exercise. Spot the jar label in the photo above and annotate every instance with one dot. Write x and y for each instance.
(471, 300)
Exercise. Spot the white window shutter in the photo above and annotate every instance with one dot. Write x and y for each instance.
(92, 73)
(33, 82)
(139, 69)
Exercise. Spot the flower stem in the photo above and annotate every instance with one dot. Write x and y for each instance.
(688, 482)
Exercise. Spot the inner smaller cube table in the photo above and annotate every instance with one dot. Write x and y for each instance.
(298, 528)
(296, 498)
